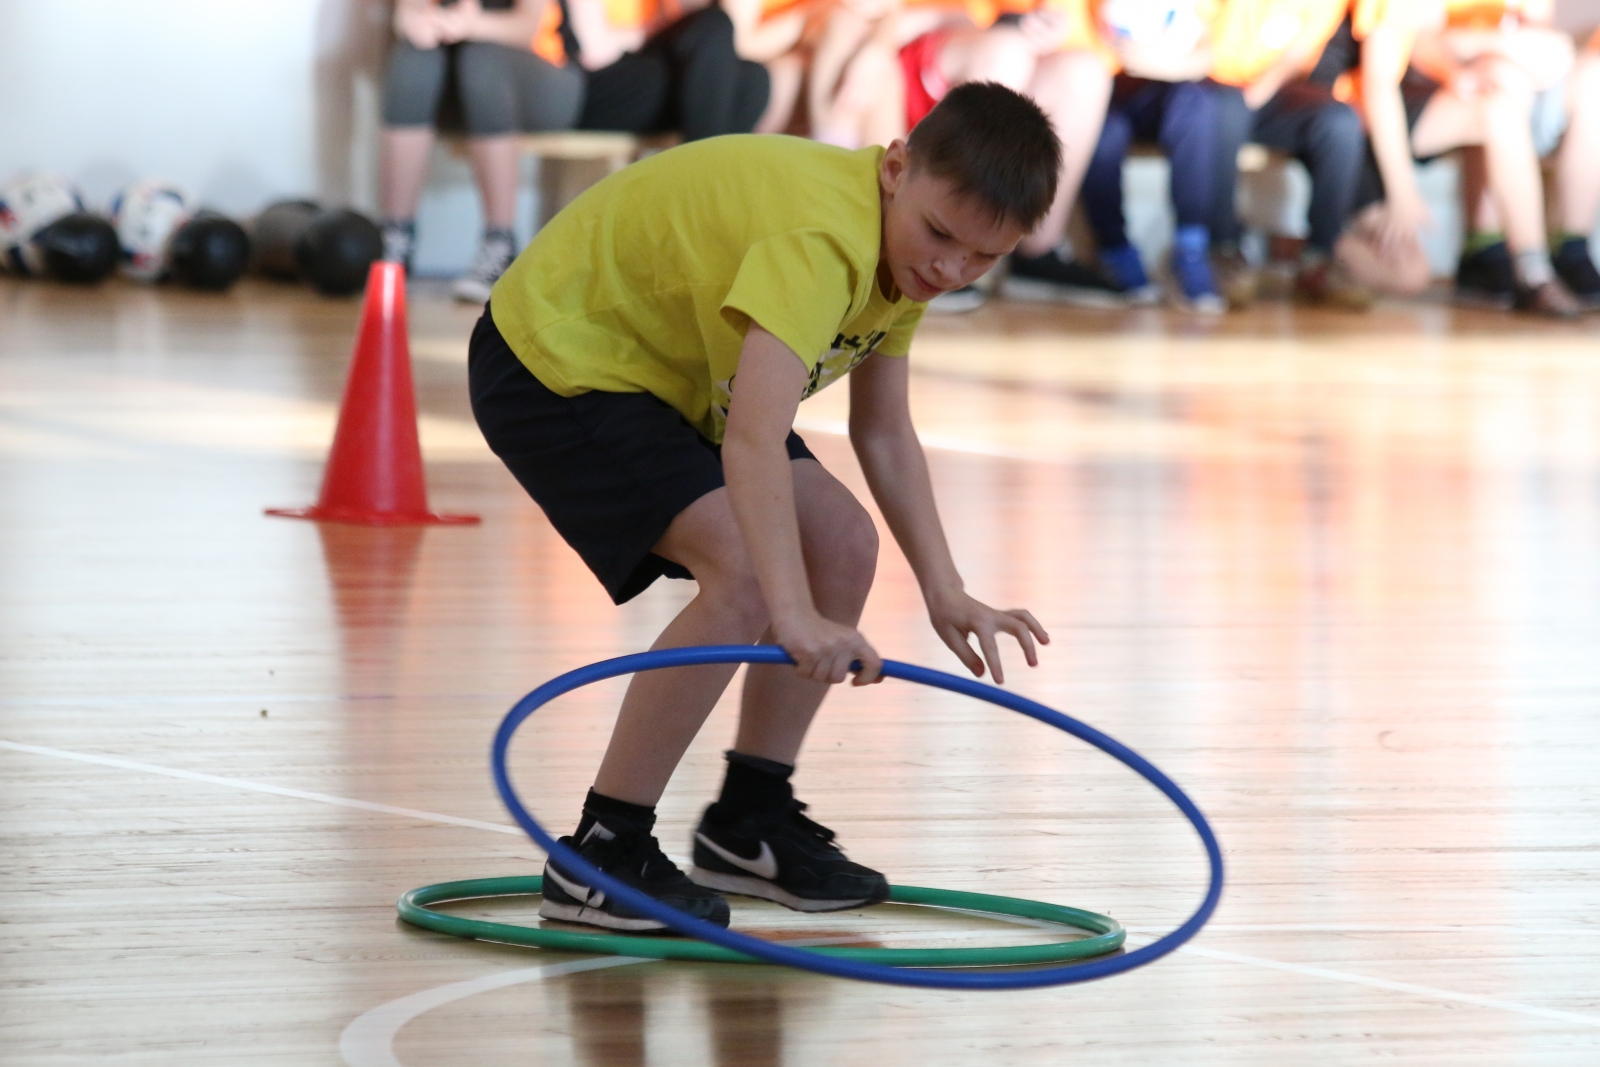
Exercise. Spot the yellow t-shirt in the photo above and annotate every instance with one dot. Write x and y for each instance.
(648, 281)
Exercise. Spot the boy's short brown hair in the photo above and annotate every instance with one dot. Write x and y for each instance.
(994, 145)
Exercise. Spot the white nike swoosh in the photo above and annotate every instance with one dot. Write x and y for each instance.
(578, 892)
(763, 866)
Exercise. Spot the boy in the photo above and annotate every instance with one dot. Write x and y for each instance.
(638, 369)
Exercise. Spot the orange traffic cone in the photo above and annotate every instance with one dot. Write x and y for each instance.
(374, 472)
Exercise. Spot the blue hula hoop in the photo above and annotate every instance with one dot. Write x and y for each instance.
(811, 961)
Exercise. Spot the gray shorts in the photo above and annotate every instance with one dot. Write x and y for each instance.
(493, 89)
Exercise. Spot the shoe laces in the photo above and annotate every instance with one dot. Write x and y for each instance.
(797, 819)
(636, 851)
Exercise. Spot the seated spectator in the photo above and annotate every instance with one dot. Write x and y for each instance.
(1050, 51)
(1159, 97)
(773, 33)
(1263, 54)
(503, 87)
(857, 90)
(1567, 99)
(654, 69)
(1578, 179)
(1411, 116)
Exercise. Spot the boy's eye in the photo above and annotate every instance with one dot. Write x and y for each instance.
(940, 234)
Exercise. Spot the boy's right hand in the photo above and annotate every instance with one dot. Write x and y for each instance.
(823, 650)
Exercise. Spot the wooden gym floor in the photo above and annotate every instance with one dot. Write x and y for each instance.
(1339, 576)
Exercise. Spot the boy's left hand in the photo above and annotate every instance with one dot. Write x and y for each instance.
(957, 616)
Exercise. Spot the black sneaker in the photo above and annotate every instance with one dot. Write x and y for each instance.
(1575, 266)
(1486, 278)
(783, 856)
(1052, 278)
(633, 856)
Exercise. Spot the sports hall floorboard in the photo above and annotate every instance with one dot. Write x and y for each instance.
(1339, 576)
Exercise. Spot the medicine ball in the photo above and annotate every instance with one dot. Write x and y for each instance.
(80, 248)
(147, 215)
(27, 205)
(275, 233)
(336, 250)
(210, 252)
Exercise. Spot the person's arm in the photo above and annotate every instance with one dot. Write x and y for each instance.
(417, 21)
(897, 473)
(1384, 56)
(514, 27)
(767, 391)
(763, 39)
(600, 44)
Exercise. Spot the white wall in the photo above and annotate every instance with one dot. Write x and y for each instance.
(248, 101)
(242, 102)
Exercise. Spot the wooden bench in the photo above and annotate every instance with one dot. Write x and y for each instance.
(572, 160)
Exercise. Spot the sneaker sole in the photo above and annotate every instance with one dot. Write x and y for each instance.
(760, 887)
(582, 913)
(470, 292)
(1030, 291)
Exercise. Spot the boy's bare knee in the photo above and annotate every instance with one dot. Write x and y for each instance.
(736, 593)
(852, 554)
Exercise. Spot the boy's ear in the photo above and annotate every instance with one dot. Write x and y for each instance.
(896, 165)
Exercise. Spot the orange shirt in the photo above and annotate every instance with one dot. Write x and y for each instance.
(1249, 36)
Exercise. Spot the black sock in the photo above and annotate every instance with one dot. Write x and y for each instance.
(754, 784)
(613, 813)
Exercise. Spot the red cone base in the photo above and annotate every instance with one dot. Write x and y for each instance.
(374, 472)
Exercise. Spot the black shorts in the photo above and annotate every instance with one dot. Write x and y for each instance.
(610, 470)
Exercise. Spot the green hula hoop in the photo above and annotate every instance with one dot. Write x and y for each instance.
(415, 907)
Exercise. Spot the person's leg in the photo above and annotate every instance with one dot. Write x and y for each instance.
(1578, 180)
(1101, 189)
(1187, 133)
(1234, 125)
(663, 710)
(1183, 120)
(1578, 168)
(1326, 136)
(632, 95)
(840, 544)
(845, 32)
(1073, 89)
(707, 76)
(786, 76)
(412, 85)
(1497, 118)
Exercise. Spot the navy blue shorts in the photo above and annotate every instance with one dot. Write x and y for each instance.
(610, 470)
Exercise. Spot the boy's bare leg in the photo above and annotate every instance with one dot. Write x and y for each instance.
(663, 710)
(841, 553)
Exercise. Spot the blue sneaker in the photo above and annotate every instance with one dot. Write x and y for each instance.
(1126, 269)
(1191, 272)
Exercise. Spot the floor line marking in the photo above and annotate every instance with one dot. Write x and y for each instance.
(1430, 992)
(259, 787)
(1409, 988)
(369, 1039)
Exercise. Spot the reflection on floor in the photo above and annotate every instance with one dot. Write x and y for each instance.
(1340, 576)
